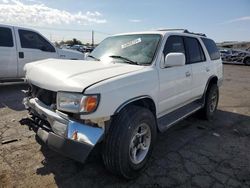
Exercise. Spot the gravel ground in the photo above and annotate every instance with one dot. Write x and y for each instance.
(194, 153)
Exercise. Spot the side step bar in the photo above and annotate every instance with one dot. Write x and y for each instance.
(172, 118)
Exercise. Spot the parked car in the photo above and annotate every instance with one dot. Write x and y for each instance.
(234, 55)
(78, 47)
(131, 87)
(65, 46)
(224, 53)
(88, 49)
(82, 48)
(19, 46)
(243, 57)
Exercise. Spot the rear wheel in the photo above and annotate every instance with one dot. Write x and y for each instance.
(211, 102)
(247, 61)
(129, 142)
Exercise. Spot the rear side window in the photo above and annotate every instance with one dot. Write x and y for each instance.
(6, 38)
(174, 44)
(211, 48)
(194, 50)
(33, 40)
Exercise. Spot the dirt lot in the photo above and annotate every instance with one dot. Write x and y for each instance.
(194, 153)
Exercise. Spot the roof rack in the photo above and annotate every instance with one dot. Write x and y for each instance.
(171, 30)
(200, 34)
(184, 31)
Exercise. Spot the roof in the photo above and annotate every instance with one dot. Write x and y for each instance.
(163, 32)
(18, 27)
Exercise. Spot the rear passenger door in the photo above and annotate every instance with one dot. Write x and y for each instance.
(32, 47)
(199, 64)
(8, 54)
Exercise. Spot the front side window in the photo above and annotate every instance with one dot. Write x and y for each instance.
(174, 44)
(32, 40)
(194, 50)
(6, 39)
(139, 48)
(211, 48)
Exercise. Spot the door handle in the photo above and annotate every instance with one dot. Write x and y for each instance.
(188, 74)
(207, 69)
(21, 55)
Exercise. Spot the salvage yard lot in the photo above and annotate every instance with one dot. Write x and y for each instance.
(194, 153)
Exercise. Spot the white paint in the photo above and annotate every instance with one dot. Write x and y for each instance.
(11, 66)
(170, 88)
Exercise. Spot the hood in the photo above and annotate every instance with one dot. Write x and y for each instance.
(73, 75)
(70, 54)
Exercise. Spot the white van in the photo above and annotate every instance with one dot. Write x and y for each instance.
(19, 46)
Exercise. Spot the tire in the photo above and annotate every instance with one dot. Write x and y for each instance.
(247, 61)
(211, 102)
(122, 139)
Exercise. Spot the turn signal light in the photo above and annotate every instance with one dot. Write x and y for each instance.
(90, 103)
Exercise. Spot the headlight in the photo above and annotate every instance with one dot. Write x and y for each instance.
(76, 102)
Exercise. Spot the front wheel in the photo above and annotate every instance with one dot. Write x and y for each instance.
(211, 102)
(129, 142)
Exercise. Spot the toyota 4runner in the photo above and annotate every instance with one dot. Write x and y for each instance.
(131, 87)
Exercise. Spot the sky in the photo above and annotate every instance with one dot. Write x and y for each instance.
(221, 20)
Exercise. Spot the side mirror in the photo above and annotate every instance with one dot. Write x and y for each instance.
(174, 59)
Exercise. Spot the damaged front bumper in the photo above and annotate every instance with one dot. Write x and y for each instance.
(70, 138)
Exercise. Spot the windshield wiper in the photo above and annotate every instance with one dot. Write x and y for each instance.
(124, 58)
(93, 57)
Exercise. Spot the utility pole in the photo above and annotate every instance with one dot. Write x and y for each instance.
(93, 40)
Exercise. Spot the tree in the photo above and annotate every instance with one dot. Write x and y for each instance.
(57, 44)
(74, 41)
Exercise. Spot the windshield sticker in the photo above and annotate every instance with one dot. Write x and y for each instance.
(131, 43)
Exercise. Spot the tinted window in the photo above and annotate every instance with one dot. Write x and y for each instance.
(211, 48)
(174, 44)
(6, 39)
(33, 40)
(194, 50)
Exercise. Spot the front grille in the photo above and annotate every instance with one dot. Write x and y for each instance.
(46, 96)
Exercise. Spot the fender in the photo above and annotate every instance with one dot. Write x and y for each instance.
(206, 87)
(130, 101)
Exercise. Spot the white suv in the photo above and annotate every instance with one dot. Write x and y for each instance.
(131, 87)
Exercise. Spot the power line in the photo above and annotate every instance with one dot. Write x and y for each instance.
(66, 29)
(63, 29)
(77, 30)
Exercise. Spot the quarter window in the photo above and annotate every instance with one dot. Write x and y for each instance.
(194, 50)
(211, 48)
(33, 40)
(6, 39)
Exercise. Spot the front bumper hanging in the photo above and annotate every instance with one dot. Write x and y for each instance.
(70, 138)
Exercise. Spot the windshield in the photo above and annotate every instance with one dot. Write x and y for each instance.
(138, 48)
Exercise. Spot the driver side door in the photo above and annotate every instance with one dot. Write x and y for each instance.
(175, 82)
(31, 46)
